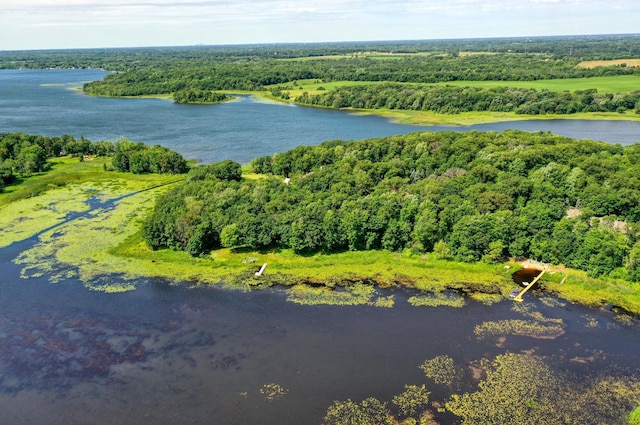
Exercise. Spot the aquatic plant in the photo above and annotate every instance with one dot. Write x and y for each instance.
(520, 389)
(536, 325)
(442, 370)
(357, 294)
(634, 417)
(552, 302)
(486, 299)
(79, 244)
(272, 392)
(531, 328)
(412, 400)
(436, 300)
(369, 412)
(514, 383)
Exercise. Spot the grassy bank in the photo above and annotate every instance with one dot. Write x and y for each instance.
(471, 118)
(104, 249)
(426, 118)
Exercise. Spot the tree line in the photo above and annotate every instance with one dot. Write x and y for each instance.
(453, 99)
(588, 47)
(23, 154)
(254, 74)
(198, 96)
(469, 196)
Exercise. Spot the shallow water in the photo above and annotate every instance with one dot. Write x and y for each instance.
(168, 354)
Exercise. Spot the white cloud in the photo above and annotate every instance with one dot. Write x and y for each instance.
(56, 23)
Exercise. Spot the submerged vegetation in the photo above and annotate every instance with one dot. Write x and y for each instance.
(516, 389)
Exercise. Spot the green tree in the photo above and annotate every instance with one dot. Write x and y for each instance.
(633, 266)
(495, 253)
(32, 159)
(230, 236)
(441, 251)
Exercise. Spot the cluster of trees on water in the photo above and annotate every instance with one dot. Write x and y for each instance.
(23, 154)
(469, 196)
(453, 100)
(198, 96)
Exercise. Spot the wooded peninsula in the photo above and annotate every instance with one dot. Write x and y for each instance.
(450, 198)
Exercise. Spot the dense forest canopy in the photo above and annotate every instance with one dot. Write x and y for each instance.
(470, 196)
(454, 100)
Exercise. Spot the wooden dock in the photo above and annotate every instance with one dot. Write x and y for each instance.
(529, 286)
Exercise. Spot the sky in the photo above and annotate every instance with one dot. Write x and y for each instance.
(62, 24)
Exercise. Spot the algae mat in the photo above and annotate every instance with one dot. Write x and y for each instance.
(74, 228)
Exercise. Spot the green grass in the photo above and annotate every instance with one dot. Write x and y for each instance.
(616, 84)
(583, 289)
(68, 170)
(470, 118)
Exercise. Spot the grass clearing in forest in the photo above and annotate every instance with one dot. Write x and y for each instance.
(612, 62)
(613, 85)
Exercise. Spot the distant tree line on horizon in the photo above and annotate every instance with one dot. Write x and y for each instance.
(468, 196)
(580, 47)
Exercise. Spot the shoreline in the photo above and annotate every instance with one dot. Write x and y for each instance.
(105, 251)
(417, 118)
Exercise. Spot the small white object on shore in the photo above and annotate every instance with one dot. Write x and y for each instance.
(259, 272)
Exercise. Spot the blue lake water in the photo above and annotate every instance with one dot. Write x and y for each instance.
(176, 354)
(44, 102)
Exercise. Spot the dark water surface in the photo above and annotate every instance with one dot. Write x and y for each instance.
(167, 354)
(175, 354)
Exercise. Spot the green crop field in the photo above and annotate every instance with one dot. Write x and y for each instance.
(617, 84)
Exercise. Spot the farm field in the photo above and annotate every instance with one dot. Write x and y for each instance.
(616, 84)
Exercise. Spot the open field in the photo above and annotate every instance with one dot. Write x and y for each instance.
(617, 84)
(595, 64)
